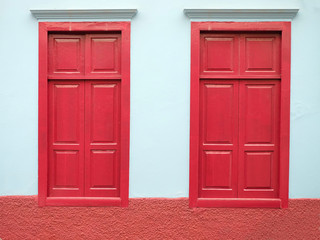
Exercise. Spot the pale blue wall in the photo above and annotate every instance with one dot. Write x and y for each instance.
(160, 66)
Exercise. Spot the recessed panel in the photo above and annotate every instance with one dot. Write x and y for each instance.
(66, 169)
(66, 54)
(219, 113)
(259, 114)
(219, 54)
(66, 113)
(262, 55)
(258, 169)
(218, 169)
(103, 169)
(104, 107)
(104, 54)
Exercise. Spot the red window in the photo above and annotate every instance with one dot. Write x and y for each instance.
(239, 114)
(84, 114)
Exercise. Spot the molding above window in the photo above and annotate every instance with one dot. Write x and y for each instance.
(243, 14)
(83, 14)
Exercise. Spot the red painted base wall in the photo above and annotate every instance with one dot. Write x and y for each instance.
(21, 218)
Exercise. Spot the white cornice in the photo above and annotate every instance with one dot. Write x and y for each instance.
(243, 14)
(83, 14)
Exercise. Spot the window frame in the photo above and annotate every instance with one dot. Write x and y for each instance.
(44, 29)
(285, 29)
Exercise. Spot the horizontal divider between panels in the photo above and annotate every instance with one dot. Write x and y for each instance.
(81, 77)
(248, 77)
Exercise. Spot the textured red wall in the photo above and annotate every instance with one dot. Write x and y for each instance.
(21, 218)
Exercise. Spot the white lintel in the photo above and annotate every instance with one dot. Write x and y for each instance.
(83, 14)
(242, 14)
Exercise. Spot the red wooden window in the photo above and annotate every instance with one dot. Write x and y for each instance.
(239, 137)
(84, 114)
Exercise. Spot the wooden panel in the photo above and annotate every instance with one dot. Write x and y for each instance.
(259, 113)
(102, 138)
(66, 54)
(66, 112)
(103, 54)
(260, 54)
(69, 56)
(219, 112)
(218, 169)
(258, 169)
(259, 139)
(103, 169)
(219, 54)
(66, 153)
(104, 112)
(66, 169)
(264, 54)
(218, 139)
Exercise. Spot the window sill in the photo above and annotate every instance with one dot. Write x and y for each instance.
(239, 202)
(83, 202)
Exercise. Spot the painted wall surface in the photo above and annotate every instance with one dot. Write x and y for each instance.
(160, 78)
(174, 220)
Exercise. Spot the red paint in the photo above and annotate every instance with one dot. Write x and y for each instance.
(66, 54)
(102, 143)
(219, 102)
(219, 54)
(240, 137)
(258, 139)
(239, 124)
(65, 138)
(21, 218)
(84, 102)
(104, 51)
(260, 54)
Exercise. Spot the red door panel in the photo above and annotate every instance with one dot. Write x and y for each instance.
(102, 145)
(66, 169)
(102, 108)
(84, 116)
(103, 170)
(239, 119)
(258, 103)
(260, 54)
(66, 153)
(239, 114)
(259, 138)
(66, 103)
(219, 115)
(219, 54)
(66, 54)
(218, 169)
(103, 51)
(218, 139)
(84, 113)
(248, 168)
(257, 169)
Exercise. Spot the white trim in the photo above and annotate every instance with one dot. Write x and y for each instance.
(83, 14)
(243, 14)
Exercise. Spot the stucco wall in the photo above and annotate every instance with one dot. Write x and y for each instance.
(160, 70)
(157, 219)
